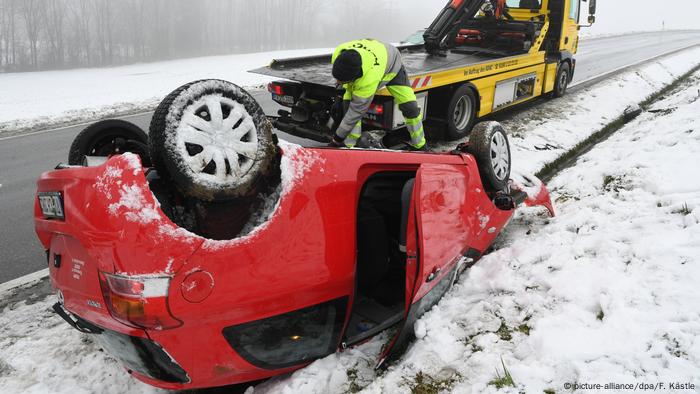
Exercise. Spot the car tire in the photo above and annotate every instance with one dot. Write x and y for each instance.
(109, 137)
(198, 131)
(562, 80)
(488, 143)
(461, 113)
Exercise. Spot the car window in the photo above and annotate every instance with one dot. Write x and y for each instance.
(529, 4)
(415, 38)
(574, 9)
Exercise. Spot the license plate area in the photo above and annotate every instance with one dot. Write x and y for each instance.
(283, 99)
(51, 205)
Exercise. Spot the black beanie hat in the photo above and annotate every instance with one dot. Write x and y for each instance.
(347, 66)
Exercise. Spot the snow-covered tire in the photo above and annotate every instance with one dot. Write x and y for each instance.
(213, 140)
(562, 80)
(488, 143)
(461, 113)
(109, 137)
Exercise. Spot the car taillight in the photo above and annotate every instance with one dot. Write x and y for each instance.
(275, 88)
(139, 301)
(376, 108)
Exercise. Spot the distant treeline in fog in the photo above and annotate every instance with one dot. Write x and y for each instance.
(57, 34)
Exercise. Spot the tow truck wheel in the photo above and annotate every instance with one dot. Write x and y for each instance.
(488, 143)
(213, 140)
(562, 82)
(461, 113)
(106, 138)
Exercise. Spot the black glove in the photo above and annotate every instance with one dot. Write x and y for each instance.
(337, 142)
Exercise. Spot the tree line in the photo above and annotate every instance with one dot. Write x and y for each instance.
(57, 34)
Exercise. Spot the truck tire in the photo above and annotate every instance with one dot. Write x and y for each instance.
(213, 140)
(488, 143)
(461, 113)
(109, 137)
(562, 81)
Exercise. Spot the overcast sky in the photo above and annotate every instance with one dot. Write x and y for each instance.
(612, 16)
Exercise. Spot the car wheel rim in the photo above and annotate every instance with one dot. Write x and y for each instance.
(500, 158)
(218, 138)
(463, 112)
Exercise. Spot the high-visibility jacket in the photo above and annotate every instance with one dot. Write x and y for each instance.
(380, 64)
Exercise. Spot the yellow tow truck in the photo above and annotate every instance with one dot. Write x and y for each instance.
(477, 57)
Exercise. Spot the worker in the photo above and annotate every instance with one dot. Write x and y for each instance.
(363, 67)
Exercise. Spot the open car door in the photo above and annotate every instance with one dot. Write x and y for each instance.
(436, 234)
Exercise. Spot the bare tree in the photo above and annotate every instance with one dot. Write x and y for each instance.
(103, 25)
(33, 16)
(55, 25)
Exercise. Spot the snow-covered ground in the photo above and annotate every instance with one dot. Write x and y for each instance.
(81, 94)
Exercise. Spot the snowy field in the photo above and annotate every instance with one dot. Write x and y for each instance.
(604, 292)
(90, 93)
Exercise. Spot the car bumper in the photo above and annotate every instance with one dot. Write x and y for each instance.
(138, 354)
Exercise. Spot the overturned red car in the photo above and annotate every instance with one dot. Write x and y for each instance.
(192, 282)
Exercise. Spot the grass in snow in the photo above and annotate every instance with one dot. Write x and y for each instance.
(503, 381)
(426, 384)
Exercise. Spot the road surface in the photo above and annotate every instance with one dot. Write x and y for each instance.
(24, 157)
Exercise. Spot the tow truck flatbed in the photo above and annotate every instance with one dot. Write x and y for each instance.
(317, 69)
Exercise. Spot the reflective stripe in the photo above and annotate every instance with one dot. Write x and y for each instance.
(351, 140)
(353, 117)
(415, 135)
(414, 121)
(420, 144)
(343, 132)
(353, 135)
(416, 131)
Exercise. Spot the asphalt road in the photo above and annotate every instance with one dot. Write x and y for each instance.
(24, 157)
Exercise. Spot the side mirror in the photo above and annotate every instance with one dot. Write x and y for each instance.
(591, 19)
(591, 7)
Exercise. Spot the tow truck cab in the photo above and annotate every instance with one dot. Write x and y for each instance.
(478, 57)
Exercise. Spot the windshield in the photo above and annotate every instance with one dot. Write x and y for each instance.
(415, 38)
(529, 4)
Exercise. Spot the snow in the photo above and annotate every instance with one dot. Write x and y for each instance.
(133, 202)
(86, 94)
(604, 292)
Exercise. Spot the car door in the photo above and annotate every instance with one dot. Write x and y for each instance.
(437, 238)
